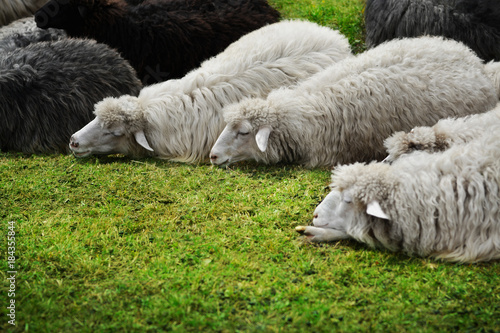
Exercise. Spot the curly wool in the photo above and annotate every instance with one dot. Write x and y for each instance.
(472, 22)
(444, 205)
(162, 39)
(24, 32)
(444, 134)
(49, 90)
(184, 117)
(344, 113)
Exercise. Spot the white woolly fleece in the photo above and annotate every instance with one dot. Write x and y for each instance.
(184, 117)
(344, 113)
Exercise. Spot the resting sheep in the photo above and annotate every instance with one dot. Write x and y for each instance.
(23, 32)
(161, 39)
(344, 113)
(11, 10)
(49, 90)
(473, 22)
(444, 205)
(180, 119)
(444, 134)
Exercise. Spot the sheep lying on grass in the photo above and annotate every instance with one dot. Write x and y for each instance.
(472, 22)
(180, 119)
(23, 32)
(161, 39)
(48, 91)
(445, 205)
(444, 134)
(11, 10)
(344, 113)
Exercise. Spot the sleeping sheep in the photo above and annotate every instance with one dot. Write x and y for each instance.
(444, 205)
(161, 39)
(23, 32)
(344, 113)
(444, 134)
(49, 90)
(180, 120)
(11, 10)
(473, 22)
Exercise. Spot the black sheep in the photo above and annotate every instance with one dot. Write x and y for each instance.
(475, 23)
(48, 91)
(161, 39)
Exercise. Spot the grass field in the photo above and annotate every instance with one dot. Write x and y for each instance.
(112, 244)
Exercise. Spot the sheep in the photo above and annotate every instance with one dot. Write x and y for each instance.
(179, 120)
(49, 90)
(164, 39)
(444, 205)
(11, 10)
(23, 32)
(444, 134)
(343, 114)
(473, 22)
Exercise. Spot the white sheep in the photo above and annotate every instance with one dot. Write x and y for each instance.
(180, 119)
(444, 134)
(444, 205)
(344, 113)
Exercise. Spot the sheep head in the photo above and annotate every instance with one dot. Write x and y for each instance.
(246, 134)
(353, 202)
(117, 129)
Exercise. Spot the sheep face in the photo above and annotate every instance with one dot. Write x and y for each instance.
(336, 215)
(331, 218)
(95, 138)
(117, 129)
(238, 142)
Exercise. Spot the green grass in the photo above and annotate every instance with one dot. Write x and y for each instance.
(111, 244)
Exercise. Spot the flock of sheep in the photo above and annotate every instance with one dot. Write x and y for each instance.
(225, 81)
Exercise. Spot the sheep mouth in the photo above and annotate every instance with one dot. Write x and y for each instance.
(224, 164)
(82, 154)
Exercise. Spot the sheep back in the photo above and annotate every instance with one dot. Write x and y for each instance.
(162, 40)
(472, 22)
(49, 90)
(344, 113)
(23, 32)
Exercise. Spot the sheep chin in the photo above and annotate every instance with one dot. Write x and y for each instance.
(82, 154)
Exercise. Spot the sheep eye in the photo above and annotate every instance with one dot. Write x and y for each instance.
(116, 133)
(243, 133)
(347, 199)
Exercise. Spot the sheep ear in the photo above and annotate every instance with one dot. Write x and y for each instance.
(262, 137)
(374, 209)
(83, 11)
(141, 139)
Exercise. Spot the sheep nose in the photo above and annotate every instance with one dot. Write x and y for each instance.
(213, 158)
(315, 215)
(73, 143)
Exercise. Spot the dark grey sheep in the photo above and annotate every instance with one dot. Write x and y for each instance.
(162, 39)
(48, 91)
(475, 23)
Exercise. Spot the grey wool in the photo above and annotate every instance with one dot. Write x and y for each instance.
(48, 91)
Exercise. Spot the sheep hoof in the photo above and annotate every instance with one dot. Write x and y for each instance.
(300, 229)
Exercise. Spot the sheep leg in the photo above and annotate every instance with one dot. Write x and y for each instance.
(315, 234)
